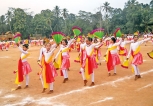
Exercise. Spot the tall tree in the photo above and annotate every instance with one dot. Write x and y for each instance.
(65, 13)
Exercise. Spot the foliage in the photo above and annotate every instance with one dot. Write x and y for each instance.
(134, 16)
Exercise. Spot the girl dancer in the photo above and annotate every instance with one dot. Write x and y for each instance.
(41, 60)
(49, 71)
(89, 62)
(112, 57)
(23, 67)
(122, 49)
(137, 56)
(63, 58)
(97, 52)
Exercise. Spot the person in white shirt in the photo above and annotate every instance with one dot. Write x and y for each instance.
(1, 46)
(41, 60)
(145, 37)
(122, 48)
(63, 60)
(49, 72)
(112, 57)
(89, 61)
(97, 51)
(137, 56)
(23, 66)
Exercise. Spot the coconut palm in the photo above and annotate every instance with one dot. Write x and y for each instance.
(8, 18)
(65, 13)
(57, 13)
(107, 9)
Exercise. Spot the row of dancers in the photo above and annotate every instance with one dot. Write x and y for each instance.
(88, 58)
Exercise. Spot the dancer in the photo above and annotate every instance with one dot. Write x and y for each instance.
(98, 52)
(1, 46)
(122, 49)
(89, 62)
(137, 56)
(23, 66)
(41, 60)
(7, 45)
(112, 57)
(145, 37)
(49, 71)
(63, 58)
(80, 57)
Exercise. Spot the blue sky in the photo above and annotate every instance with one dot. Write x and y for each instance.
(73, 6)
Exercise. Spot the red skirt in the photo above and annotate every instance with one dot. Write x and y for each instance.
(115, 59)
(94, 63)
(0, 46)
(65, 62)
(26, 68)
(137, 59)
(50, 72)
(92, 60)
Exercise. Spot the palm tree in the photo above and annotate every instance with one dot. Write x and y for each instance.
(131, 3)
(2, 19)
(151, 3)
(8, 17)
(57, 13)
(107, 9)
(49, 22)
(64, 13)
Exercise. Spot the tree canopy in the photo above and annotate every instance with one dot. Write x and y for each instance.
(133, 17)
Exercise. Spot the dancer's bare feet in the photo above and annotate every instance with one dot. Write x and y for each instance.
(19, 87)
(92, 84)
(44, 90)
(26, 86)
(109, 74)
(139, 76)
(85, 82)
(136, 77)
(50, 92)
(65, 79)
(114, 74)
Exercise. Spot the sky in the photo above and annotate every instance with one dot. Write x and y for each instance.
(73, 6)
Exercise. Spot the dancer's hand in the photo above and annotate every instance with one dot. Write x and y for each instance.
(57, 45)
(54, 60)
(127, 58)
(17, 44)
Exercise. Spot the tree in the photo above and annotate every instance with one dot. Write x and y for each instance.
(8, 18)
(65, 13)
(106, 9)
(57, 13)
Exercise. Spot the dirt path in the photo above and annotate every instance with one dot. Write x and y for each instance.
(120, 90)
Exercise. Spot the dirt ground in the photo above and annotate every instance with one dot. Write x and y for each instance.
(119, 90)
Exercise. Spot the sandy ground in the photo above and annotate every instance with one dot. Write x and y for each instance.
(119, 90)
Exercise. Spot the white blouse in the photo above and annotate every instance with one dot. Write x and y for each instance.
(23, 53)
(135, 45)
(48, 54)
(115, 44)
(62, 48)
